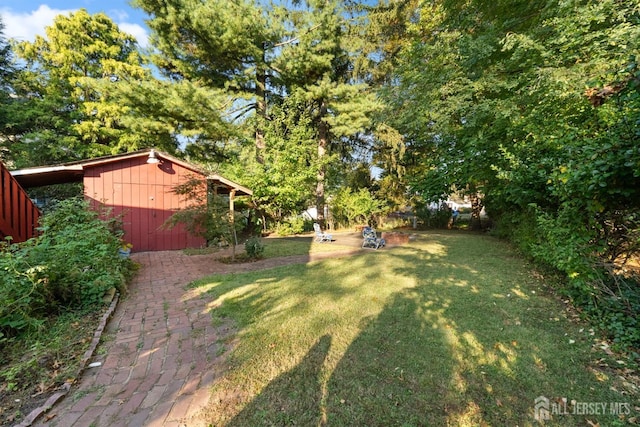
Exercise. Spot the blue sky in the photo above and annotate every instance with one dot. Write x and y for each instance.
(23, 19)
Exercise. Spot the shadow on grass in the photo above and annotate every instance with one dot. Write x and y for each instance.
(294, 397)
(246, 296)
(463, 337)
(470, 345)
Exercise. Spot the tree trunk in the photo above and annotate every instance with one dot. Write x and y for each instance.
(323, 136)
(261, 106)
(476, 209)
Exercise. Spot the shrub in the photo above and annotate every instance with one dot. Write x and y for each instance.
(290, 226)
(22, 293)
(581, 254)
(206, 215)
(254, 248)
(355, 207)
(433, 218)
(70, 265)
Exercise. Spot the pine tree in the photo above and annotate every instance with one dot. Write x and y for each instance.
(64, 89)
(317, 67)
(220, 44)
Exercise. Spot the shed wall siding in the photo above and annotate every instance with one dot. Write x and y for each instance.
(143, 194)
(18, 215)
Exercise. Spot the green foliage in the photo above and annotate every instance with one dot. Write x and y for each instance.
(254, 247)
(69, 266)
(616, 312)
(63, 107)
(355, 207)
(22, 292)
(207, 214)
(304, 50)
(220, 43)
(292, 225)
(7, 70)
(608, 298)
(537, 110)
(282, 182)
(165, 109)
(433, 218)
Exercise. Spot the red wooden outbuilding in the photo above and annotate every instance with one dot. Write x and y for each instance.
(139, 187)
(18, 215)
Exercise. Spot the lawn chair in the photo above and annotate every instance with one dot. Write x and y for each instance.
(320, 236)
(371, 240)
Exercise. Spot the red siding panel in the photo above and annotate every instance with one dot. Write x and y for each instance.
(143, 194)
(18, 215)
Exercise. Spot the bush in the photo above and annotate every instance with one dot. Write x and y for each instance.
(22, 292)
(70, 265)
(580, 254)
(254, 248)
(434, 218)
(290, 226)
(351, 207)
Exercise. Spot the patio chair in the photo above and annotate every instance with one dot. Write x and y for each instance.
(371, 239)
(320, 235)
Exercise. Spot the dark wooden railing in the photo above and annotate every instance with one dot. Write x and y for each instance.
(18, 214)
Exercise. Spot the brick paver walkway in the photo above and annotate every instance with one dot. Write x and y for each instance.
(161, 356)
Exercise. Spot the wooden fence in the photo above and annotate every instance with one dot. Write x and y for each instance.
(18, 214)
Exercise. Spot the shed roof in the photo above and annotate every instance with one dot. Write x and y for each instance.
(74, 171)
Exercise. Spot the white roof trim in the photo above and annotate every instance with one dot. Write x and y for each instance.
(45, 169)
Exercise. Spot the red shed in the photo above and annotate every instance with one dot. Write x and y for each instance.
(140, 187)
(18, 215)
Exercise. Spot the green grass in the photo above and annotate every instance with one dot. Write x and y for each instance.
(450, 330)
(288, 246)
(283, 246)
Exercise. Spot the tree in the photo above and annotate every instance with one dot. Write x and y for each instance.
(318, 69)
(534, 107)
(207, 215)
(63, 93)
(172, 113)
(262, 54)
(220, 44)
(355, 207)
(283, 182)
(7, 71)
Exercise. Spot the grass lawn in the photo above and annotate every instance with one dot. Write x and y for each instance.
(453, 329)
(276, 247)
(287, 246)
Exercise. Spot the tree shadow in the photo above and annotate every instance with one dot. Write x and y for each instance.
(294, 397)
(462, 347)
(382, 377)
(451, 344)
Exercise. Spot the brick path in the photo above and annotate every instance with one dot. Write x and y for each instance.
(162, 357)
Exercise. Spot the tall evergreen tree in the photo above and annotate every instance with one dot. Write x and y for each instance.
(318, 68)
(219, 44)
(6, 74)
(263, 51)
(65, 88)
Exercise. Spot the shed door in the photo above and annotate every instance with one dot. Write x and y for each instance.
(152, 205)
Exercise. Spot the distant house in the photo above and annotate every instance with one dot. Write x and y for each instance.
(140, 187)
(18, 215)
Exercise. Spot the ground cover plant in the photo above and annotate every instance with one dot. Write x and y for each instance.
(452, 329)
(52, 295)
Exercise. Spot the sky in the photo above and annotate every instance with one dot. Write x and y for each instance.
(24, 19)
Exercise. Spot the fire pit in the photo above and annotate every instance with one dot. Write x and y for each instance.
(395, 237)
